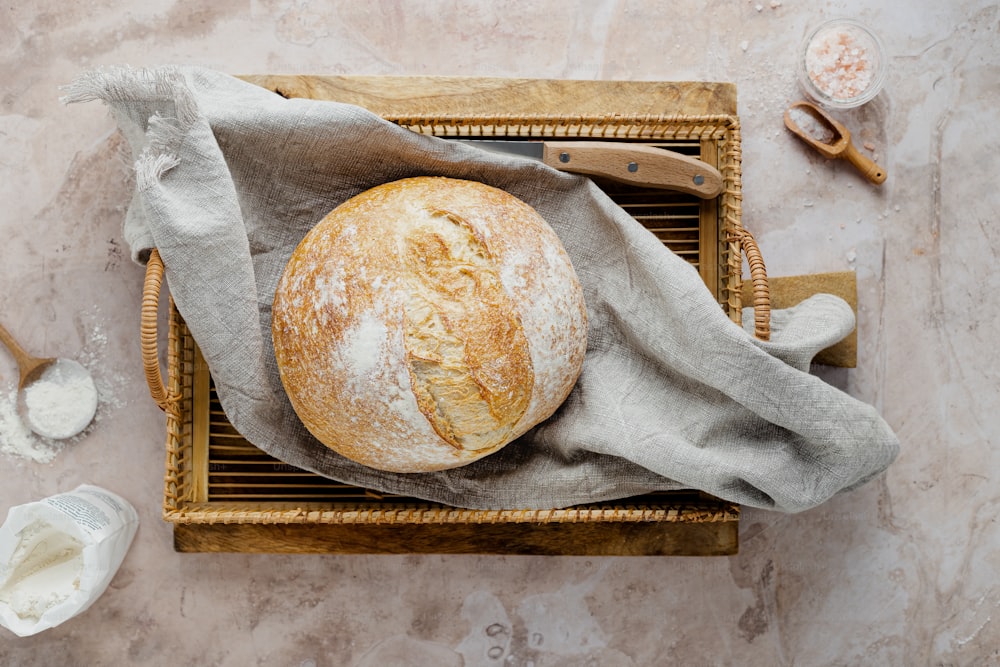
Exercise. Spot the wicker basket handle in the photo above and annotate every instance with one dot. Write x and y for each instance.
(148, 334)
(761, 292)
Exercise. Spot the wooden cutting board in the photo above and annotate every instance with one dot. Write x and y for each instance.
(786, 291)
(460, 96)
(711, 528)
(669, 524)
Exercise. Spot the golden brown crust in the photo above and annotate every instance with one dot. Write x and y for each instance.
(426, 323)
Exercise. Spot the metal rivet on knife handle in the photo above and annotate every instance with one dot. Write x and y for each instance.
(698, 179)
(564, 157)
(633, 167)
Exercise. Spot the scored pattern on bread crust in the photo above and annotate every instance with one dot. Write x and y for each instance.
(426, 323)
(466, 348)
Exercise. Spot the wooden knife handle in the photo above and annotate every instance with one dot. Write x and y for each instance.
(645, 166)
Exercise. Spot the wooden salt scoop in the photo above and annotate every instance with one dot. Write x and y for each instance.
(830, 138)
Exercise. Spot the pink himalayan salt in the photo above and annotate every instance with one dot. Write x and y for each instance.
(838, 63)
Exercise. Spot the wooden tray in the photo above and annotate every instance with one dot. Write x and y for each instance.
(223, 494)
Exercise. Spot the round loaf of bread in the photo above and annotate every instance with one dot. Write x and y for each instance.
(426, 323)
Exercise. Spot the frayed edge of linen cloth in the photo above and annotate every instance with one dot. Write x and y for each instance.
(673, 395)
(121, 88)
(168, 110)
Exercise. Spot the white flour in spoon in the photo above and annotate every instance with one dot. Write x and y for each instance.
(17, 440)
(61, 402)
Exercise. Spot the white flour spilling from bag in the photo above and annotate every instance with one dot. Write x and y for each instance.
(58, 555)
(45, 570)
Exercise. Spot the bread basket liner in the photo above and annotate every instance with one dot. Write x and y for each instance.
(673, 395)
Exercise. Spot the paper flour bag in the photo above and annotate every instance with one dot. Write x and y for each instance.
(58, 555)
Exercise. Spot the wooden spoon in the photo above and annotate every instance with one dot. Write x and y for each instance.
(61, 372)
(830, 138)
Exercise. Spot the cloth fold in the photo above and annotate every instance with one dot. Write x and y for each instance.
(673, 395)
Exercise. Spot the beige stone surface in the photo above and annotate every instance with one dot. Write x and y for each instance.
(903, 571)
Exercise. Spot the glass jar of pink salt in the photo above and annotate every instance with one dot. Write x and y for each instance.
(842, 64)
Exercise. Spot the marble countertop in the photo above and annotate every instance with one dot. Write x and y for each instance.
(902, 571)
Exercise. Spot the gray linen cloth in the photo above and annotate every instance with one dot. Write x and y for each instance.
(673, 395)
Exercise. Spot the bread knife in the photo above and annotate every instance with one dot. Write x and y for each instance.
(634, 164)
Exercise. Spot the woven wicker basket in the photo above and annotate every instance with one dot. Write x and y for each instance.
(221, 493)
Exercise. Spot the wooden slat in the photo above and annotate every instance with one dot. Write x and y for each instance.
(709, 265)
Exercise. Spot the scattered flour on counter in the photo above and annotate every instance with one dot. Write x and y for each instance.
(16, 439)
(111, 387)
(43, 572)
